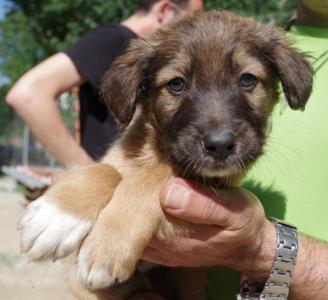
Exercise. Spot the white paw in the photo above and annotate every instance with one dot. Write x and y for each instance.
(94, 277)
(49, 232)
(98, 269)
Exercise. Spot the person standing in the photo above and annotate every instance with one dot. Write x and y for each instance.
(83, 64)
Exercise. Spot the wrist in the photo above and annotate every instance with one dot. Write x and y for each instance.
(307, 259)
(259, 263)
(76, 157)
(278, 283)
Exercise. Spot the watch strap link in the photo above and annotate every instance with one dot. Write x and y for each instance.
(277, 285)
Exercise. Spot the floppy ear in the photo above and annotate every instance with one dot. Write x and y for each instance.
(295, 74)
(121, 84)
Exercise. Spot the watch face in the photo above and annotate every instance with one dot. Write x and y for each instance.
(317, 6)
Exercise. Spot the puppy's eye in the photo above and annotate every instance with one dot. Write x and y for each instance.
(176, 85)
(247, 81)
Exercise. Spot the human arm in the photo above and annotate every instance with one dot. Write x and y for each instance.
(310, 278)
(230, 230)
(33, 98)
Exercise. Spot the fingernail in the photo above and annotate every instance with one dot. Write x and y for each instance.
(176, 197)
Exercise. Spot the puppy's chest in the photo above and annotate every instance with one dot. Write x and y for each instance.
(145, 163)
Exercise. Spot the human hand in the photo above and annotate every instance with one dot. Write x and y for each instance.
(228, 229)
(52, 177)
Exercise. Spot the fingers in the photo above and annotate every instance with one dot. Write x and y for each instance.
(195, 204)
(180, 252)
(154, 256)
(172, 252)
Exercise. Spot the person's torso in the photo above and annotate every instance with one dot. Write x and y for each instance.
(93, 56)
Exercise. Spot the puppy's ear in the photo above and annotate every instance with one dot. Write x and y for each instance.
(121, 84)
(295, 74)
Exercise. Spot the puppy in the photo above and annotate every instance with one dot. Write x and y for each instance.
(194, 101)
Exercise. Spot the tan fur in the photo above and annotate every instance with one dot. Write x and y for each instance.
(85, 191)
(121, 243)
(248, 64)
(119, 293)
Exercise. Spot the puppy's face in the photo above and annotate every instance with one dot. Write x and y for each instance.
(207, 85)
(210, 104)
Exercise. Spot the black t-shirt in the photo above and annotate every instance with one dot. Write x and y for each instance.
(92, 55)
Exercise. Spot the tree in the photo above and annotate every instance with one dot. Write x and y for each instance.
(277, 11)
(6, 114)
(57, 23)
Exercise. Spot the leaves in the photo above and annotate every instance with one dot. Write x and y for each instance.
(277, 11)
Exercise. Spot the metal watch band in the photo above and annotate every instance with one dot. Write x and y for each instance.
(277, 285)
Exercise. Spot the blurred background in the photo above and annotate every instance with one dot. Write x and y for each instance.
(31, 30)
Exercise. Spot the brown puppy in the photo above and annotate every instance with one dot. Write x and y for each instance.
(195, 100)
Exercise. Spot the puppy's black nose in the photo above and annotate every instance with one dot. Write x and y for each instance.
(219, 143)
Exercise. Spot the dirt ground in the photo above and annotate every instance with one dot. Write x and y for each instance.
(20, 280)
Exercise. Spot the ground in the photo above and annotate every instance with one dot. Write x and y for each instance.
(19, 279)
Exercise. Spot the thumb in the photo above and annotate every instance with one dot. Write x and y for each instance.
(193, 203)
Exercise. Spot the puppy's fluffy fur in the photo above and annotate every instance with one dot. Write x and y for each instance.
(194, 101)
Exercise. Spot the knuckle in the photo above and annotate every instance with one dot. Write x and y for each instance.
(211, 213)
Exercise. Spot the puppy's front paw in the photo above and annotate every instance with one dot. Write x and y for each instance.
(49, 232)
(104, 260)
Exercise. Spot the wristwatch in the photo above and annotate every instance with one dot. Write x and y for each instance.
(277, 285)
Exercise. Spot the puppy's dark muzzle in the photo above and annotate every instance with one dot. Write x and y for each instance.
(219, 144)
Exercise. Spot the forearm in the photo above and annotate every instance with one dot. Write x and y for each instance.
(43, 118)
(33, 98)
(310, 276)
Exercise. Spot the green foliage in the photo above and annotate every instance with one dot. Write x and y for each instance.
(18, 47)
(57, 23)
(276, 11)
(6, 114)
